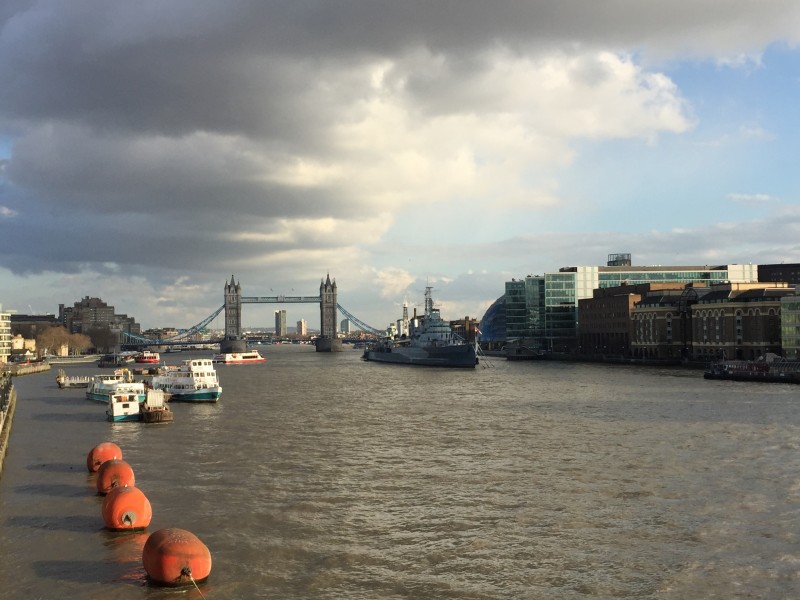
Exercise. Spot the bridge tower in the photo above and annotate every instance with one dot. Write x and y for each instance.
(327, 341)
(233, 341)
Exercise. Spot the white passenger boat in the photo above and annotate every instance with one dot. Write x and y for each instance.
(121, 381)
(238, 358)
(194, 381)
(147, 357)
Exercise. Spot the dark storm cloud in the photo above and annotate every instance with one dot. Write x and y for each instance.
(190, 133)
(245, 67)
(102, 174)
(177, 237)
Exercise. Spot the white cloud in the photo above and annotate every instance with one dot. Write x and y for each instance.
(424, 133)
(393, 282)
(750, 198)
(756, 133)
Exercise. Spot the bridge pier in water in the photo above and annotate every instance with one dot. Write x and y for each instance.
(328, 306)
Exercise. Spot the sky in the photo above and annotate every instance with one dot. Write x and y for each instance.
(152, 150)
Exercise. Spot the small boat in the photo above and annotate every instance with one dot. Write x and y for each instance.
(123, 406)
(114, 360)
(237, 358)
(147, 357)
(518, 352)
(102, 387)
(767, 371)
(72, 381)
(72, 359)
(431, 342)
(149, 370)
(155, 409)
(194, 381)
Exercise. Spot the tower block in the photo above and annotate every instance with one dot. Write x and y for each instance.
(328, 312)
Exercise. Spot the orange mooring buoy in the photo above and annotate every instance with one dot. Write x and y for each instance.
(126, 508)
(176, 557)
(100, 454)
(114, 473)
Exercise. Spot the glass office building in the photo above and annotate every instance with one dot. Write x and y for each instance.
(554, 307)
(525, 308)
(790, 326)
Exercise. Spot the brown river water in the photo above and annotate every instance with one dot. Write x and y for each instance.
(321, 476)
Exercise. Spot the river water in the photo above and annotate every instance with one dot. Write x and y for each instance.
(322, 476)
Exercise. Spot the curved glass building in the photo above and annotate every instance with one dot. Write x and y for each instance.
(493, 322)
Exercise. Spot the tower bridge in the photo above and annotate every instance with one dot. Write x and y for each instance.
(233, 339)
(327, 341)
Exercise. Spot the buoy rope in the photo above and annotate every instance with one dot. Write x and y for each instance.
(188, 572)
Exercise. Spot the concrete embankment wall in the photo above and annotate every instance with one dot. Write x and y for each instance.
(8, 400)
(8, 403)
(27, 368)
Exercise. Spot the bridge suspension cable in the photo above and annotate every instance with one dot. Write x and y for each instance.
(359, 323)
(179, 336)
(138, 339)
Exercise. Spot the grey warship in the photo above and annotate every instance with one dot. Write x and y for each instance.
(431, 342)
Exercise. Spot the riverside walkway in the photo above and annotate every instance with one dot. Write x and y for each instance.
(8, 400)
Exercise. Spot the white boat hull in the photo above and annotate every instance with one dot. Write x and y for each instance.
(194, 381)
(239, 358)
(123, 407)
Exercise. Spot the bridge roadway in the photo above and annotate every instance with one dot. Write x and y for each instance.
(280, 299)
(141, 344)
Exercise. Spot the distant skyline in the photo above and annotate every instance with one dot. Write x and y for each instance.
(150, 151)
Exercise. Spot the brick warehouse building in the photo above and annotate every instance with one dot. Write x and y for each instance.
(728, 320)
(606, 326)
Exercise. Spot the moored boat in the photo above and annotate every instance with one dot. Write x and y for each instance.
(238, 358)
(193, 381)
(518, 352)
(155, 409)
(72, 381)
(772, 371)
(123, 405)
(72, 359)
(431, 342)
(121, 381)
(119, 359)
(149, 370)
